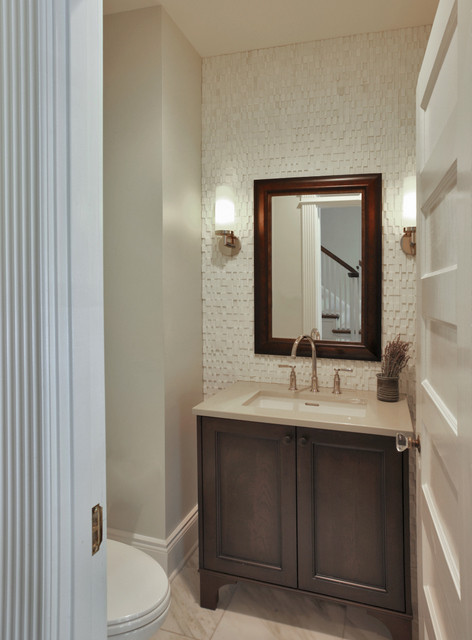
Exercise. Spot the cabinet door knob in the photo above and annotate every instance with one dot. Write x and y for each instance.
(287, 439)
(404, 442)
(303, 441)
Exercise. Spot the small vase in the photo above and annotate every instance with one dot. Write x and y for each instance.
(387, 388)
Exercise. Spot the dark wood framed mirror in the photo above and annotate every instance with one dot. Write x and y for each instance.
(318, 263)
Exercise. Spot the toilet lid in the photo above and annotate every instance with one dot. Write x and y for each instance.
(137, 588)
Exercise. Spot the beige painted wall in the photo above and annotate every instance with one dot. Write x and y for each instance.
(152, 260)
(286, 267)
(182, 258)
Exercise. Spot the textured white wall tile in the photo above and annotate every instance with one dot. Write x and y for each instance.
(337, 106)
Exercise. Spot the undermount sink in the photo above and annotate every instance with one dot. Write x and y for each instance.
(303, 403)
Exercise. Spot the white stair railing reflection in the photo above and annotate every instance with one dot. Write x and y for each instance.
(341, 295)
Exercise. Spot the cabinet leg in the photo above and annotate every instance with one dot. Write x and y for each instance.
(209, 586)
(399, 627)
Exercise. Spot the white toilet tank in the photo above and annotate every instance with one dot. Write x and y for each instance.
(138, 593)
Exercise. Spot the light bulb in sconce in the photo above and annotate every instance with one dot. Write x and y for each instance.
(228, 244)
(408, 240)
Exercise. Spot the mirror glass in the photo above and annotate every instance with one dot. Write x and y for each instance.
(318, 264)
(316, 270)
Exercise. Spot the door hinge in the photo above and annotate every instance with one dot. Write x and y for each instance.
(97, 528)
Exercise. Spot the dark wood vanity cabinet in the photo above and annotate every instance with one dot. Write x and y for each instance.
(321, 511)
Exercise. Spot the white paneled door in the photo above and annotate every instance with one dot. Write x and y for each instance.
(444, 394)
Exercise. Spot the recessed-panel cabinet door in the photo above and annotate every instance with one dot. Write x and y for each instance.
(350, 515)
(249, 499)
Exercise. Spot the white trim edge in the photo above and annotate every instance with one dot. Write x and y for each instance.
(171, 553)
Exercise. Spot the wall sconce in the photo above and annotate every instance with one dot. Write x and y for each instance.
(408, 241)
(228, 244)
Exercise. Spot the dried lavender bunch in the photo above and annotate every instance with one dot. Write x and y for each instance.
(395, 357)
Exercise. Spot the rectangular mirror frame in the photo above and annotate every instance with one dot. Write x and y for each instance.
(370, 185)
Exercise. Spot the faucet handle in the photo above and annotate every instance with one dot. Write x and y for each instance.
(337, 380)
(293, 376)
(315, 334)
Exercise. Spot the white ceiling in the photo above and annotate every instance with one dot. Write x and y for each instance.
(217, 27)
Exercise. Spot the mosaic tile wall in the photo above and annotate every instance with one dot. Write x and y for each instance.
(339, 106)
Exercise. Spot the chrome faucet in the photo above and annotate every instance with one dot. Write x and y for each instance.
(314, 375)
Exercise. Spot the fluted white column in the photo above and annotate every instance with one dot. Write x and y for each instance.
(311, 264)
(20, 389)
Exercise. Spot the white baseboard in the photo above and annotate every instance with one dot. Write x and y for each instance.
(171, 553)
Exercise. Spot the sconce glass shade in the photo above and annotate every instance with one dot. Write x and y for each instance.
(224, 208)
(409, 202)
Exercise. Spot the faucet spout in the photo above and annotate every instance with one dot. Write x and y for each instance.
(314, 375)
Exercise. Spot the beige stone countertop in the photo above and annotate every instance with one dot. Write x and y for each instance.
(353, 410)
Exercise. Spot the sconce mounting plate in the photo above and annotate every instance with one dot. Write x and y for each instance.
(408, 241)
(229, 250)
(228, 244)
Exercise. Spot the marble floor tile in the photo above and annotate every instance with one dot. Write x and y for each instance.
(255, 612)
(186, 618)
(263, 613)
(361, 626)
(167, 635)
